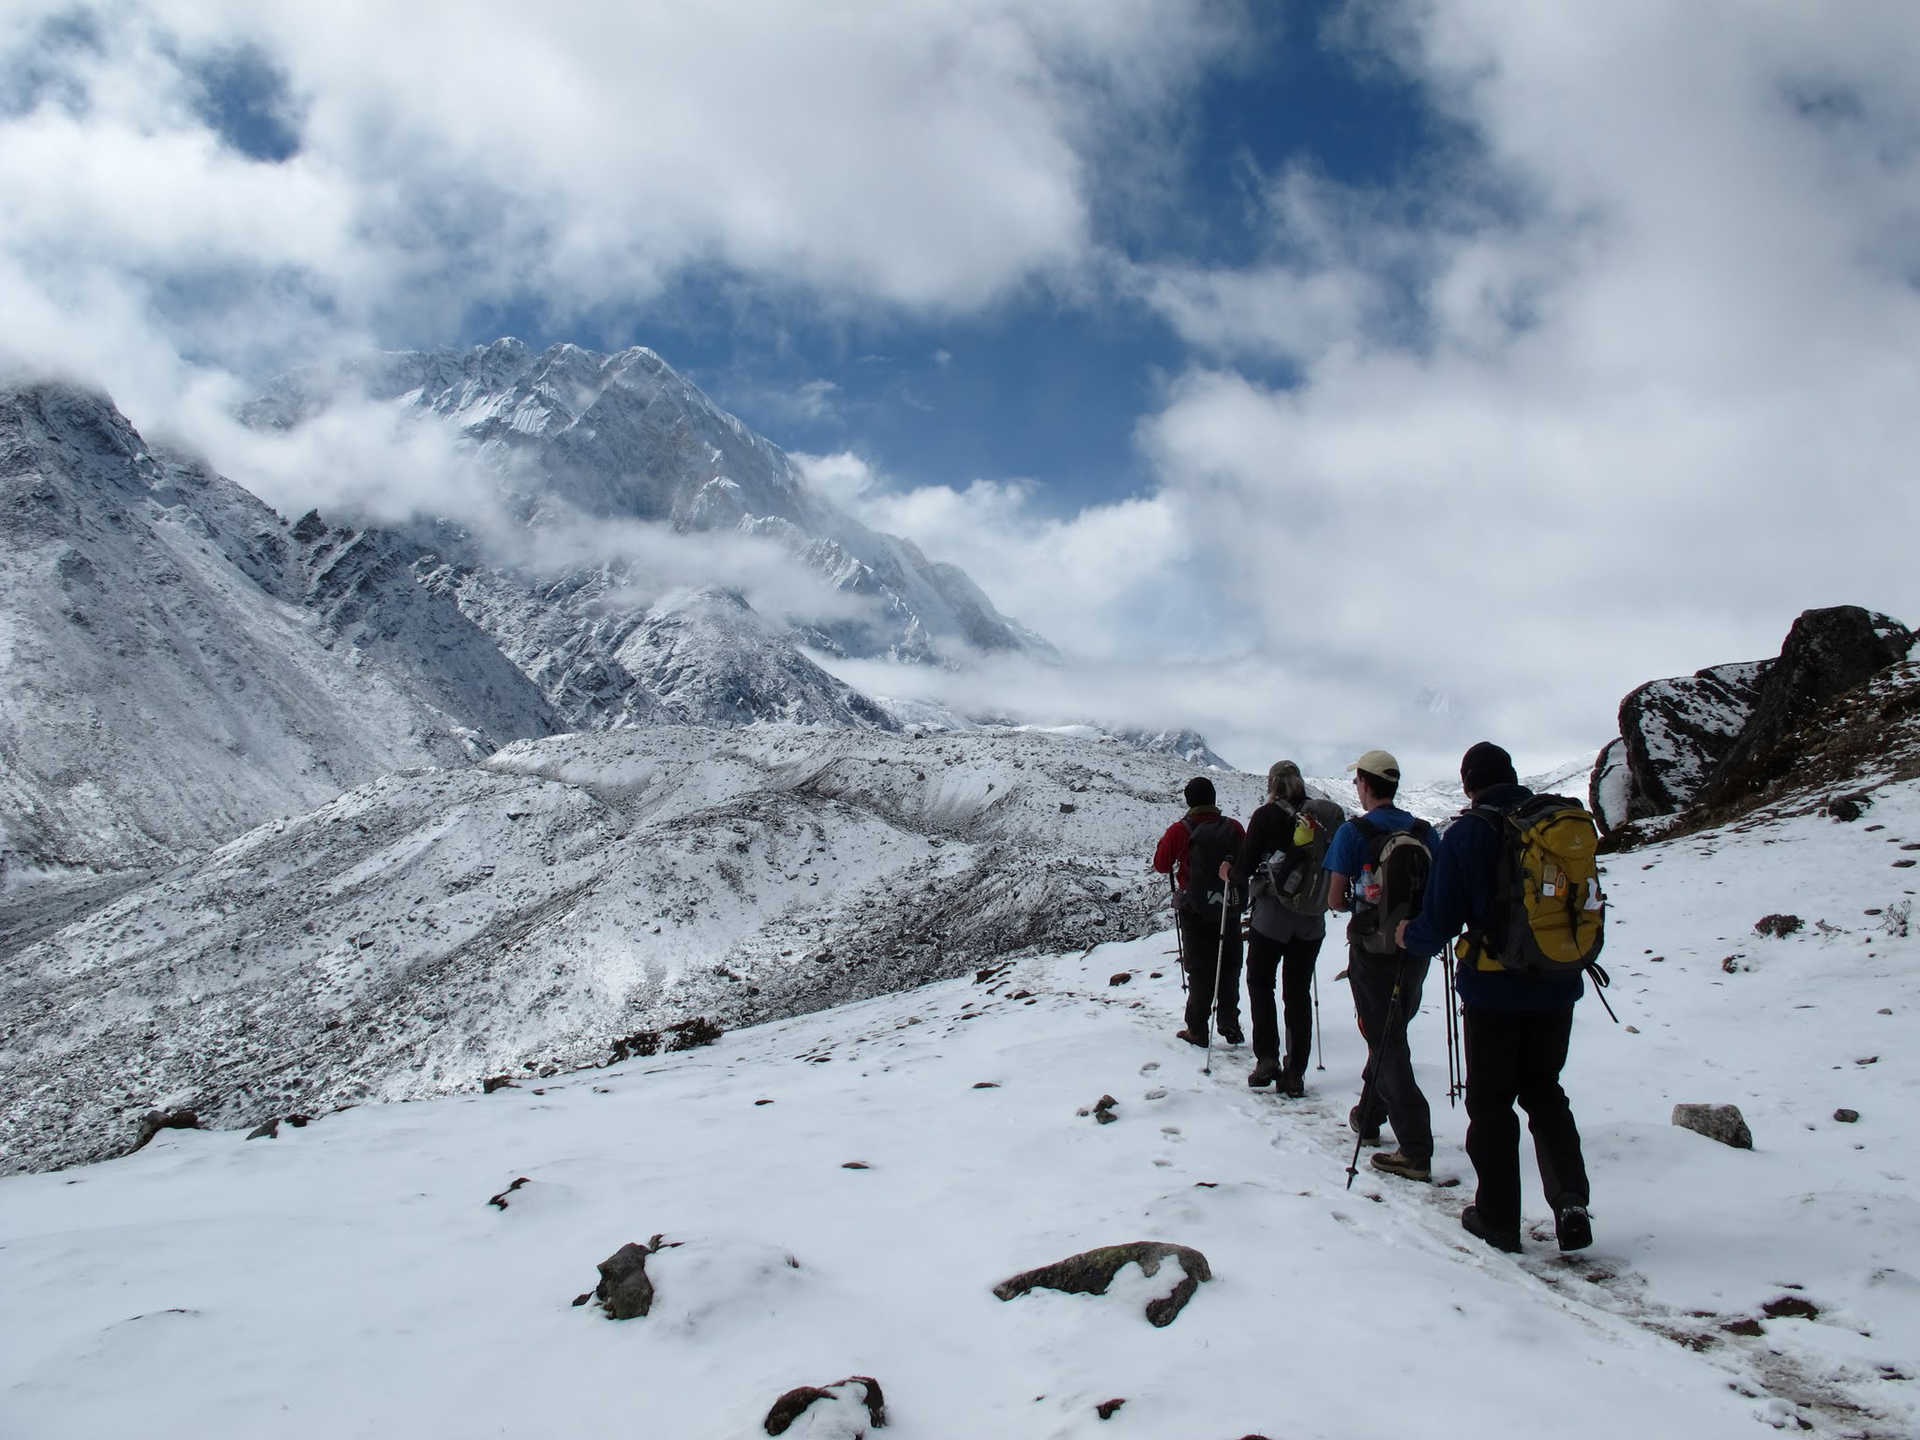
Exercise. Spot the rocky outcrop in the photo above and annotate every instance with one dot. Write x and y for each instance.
(1827, 653)
(1676, 732)
(1708, 739)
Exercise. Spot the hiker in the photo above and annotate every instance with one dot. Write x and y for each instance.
(1386, 980)
(1288, 840)
(1516, 1026)
(1194, 851)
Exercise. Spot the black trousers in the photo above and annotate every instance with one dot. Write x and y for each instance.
(1395, 1094)
(1518, 1058)
(1210, 972)
(1291, 961)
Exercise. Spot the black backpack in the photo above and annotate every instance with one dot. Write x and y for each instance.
(1208, 843)
(1397, 862)
(1296, 876)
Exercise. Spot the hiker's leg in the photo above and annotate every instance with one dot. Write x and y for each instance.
(1372, 986)
(1493, 1130)
(1229, 979)
(1556, 1139)
(1407, 1109)
(1296, 986)
(1203, 941)
(1263, 964)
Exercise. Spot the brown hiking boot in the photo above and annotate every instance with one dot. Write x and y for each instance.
(1473, 1224)
(1190, 1037)
(1292, 1085)
(1264, 1072)
(1398, 1162)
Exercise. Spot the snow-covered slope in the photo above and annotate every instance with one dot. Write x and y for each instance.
(351, 1277)
(176, 664)
(435, 927)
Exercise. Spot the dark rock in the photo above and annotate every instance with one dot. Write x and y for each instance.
(154, 1121)
(265, 1130)
(855, 1165)
(300, 1122)
(1846, 1116)
(795, 1403)
(1610, 787)
(1091, 1272)
(1843, 808)
(1827, 652)
(1724, 1123)
(497, 1082)
(1674, 734)
(500, 1201)
(1744, 1326)
(986, 1084)
(1066, 807)
(624, 1290)
(1124, 977)
(1779, 926)
(1791, 1307)
(1106, 1408)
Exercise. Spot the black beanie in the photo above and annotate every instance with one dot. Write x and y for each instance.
(1484, 766)
(1199, 791)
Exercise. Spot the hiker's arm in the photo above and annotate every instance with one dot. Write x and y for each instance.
(1444, 909)
(1342, 863)
(1168, 851)
(1336, 890)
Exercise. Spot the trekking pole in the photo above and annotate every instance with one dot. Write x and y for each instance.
(1179, 931)
(1319, 1035)
(1213, 990)
(1372, 1078)
(1600, 982)
(1455, 1088)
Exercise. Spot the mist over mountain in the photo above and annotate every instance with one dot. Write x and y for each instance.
(580, 447)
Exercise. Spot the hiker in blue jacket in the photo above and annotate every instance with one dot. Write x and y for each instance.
(1394, 1095)
(1516, 1026)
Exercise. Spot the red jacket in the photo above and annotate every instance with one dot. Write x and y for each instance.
(1170, 855)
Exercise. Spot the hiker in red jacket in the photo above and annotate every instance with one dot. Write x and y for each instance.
(1194, 851)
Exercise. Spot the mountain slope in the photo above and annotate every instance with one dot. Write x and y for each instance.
(435, 927)
(570, 434)
(177, 665)
(351, 1276)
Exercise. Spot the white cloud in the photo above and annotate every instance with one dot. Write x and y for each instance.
(1644, 411)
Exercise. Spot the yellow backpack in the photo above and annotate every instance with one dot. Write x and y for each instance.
(1548, 915)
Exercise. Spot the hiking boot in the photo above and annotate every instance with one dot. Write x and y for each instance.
(1369, 1134)
(1398, 1162)
(1573, 1227)
(1264, 1072)
(1190, 1038)
(1507, 1240)
(1232, 1034)
(1292, 1085)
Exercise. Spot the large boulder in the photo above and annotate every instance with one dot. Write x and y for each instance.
(1827, 653)
(1727, 731)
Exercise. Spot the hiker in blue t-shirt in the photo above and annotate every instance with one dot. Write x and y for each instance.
(1388, 1090)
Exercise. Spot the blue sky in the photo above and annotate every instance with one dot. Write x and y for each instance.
(1320, 375)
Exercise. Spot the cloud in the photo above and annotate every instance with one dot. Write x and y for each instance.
(416, 160)
(1648, 396)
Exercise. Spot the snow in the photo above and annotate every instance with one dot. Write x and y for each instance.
(351, 1277)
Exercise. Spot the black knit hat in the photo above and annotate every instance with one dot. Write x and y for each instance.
(1199, 791)
(1484, 766)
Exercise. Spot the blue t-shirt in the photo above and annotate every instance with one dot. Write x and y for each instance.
(1349, 849)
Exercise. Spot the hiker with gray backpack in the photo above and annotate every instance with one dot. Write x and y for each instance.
(1518, 872)
(1377, 869)
(1281, 864)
